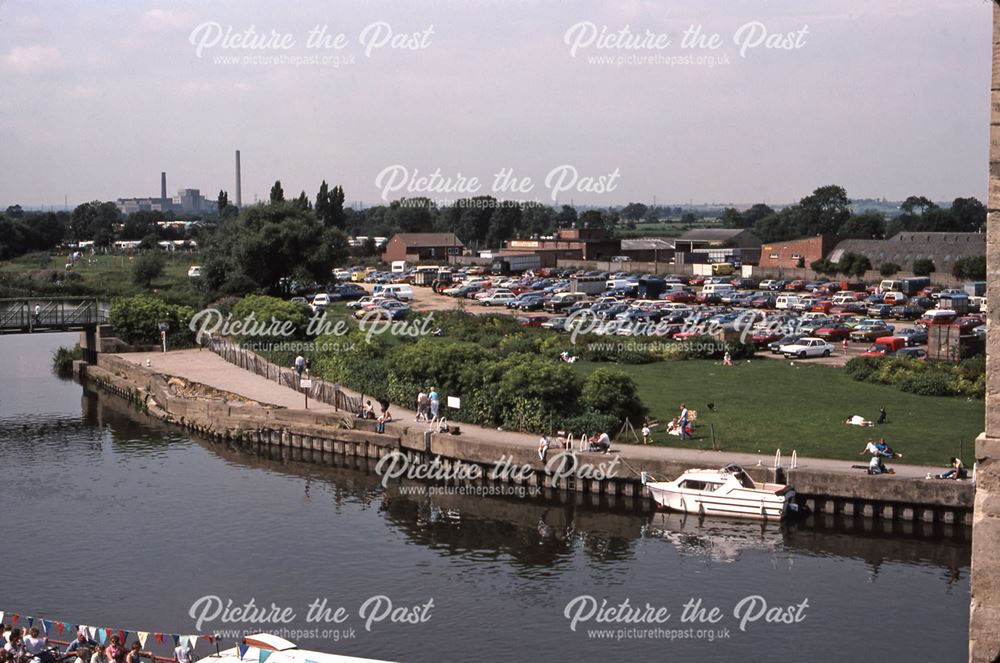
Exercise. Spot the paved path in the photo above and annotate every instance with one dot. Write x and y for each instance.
(208, 368)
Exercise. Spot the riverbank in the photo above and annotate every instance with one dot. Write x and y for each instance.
(825, 485)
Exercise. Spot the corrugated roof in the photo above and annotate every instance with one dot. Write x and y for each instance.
(713, 234)
(903, 248)
(646, 244)
(428, 239)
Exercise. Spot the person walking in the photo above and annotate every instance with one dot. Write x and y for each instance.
(543, 447)
(645, 433)
(300, 365)
(435, 403)
(423, 404)
(38, 314)
(684, 422)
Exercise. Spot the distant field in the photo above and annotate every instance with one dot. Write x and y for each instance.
(107, 275)
(767, 405)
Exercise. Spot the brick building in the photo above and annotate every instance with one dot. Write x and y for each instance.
(797, 252)
(422, 246)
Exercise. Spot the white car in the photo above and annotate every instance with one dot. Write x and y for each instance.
(320, 302)
(807, 347)
(342, 274)
(497, 299)
(194, 271)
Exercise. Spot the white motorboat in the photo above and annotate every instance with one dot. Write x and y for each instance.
(726, 492)
(282, 651)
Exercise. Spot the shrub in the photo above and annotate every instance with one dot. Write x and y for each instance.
(137, 320)
(272, 315)
(928, 383)
(923, 267)
(63, 358)
(862, 368)
(613, 392)
(588, 423)
(889, 269)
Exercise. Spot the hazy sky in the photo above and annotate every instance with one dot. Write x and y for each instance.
(888, 98)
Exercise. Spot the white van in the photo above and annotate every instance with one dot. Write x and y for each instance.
(401, 291)
(786, 302)
(398, 266)
(717, 289)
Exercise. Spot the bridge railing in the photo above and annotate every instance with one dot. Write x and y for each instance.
(62, 312)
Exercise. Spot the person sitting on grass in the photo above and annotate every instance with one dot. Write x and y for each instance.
(885, 450)
(956, 470)
(876, 466)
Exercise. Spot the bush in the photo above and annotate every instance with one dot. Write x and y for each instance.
(928, 383)
(137, 320)
(889, 269)
(970, 267)
(613, 392)
(923, 267)
(271, 314)
(63, 358)
(862, 368)
(588, 423)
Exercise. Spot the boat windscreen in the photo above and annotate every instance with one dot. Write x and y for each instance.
(745, 479)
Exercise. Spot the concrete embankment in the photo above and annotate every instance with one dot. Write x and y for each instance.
(597, 477)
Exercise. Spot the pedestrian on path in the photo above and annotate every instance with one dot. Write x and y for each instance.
(423, 406)
(300, 365)
(435, 402)
(684, 421)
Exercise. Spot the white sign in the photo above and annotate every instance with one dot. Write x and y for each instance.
(454, 402)
(305, 383)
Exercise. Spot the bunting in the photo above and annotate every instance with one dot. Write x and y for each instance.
(104, 634)
(242, 649)
(264, 654)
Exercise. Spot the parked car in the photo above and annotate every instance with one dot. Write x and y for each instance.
(834, 332)
(531, 320)
(870, 330)
(496, 299)
(879, 311)
(917, 354)
(807, 347)
(557, 324)
(913, 335)
(775, 346)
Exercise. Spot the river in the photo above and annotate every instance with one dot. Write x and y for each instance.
(117, 520)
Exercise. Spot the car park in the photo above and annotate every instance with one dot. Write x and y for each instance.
(913, 335)
(917, 354)
(870, 330)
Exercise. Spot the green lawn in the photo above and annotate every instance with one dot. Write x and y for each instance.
(766, 405)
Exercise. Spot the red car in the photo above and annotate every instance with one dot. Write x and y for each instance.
(532, 320)
(761, 339)
(834, 332)
(822, 306)
(679, 296)
(796, 285)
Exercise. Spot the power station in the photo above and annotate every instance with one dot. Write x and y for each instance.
(187, 201)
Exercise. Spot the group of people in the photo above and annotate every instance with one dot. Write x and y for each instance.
(682, 426)
(384, 416)
(428, 405)
(879, 451)
(35, 648)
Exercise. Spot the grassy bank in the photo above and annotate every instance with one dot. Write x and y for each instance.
(103, 275)
(766, 405)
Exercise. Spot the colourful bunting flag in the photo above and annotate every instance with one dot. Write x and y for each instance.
(210, 638)
(123, 636)
(108, 632)
(60, 626)
(31, 621)
(176, 638)
(14, 619)
(142, 635)
(242, 648)
(264, 654)
(102, 635)
(92, 632)
(159, 638)
(1, 618)
(46, 625)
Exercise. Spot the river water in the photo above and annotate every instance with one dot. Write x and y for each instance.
(114, 519)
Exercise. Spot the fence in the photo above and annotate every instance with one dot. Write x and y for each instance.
(321, 390)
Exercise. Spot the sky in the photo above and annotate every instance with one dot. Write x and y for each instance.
(598, 103)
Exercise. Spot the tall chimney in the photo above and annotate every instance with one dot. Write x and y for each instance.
(163, 186)
(239, 194)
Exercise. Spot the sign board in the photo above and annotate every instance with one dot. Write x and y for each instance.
(164, 327)
(454, 402)
(305, 383)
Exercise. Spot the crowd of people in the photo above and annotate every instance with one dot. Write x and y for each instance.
(36, 648)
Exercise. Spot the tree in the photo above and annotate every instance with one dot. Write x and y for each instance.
(732, 218)
(634, 211)
(277, 193)
(969, 215)
(824, 266)
(854, 264)
(825, 210)
(322, 206)
(923, 266)
(223, 201)
(567, 217)
(15, 212)
(337, 218)
(147, 268)
(302, 202)
(276, 314)
(972, 268)
(756, 213)
(889, 269)
(95, 221)
(137, 320)
(869, 225)
(592, 218)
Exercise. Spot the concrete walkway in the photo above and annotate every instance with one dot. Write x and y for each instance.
(208, 368)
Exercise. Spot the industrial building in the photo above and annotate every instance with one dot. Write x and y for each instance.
(187, 201)
(904, 248)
